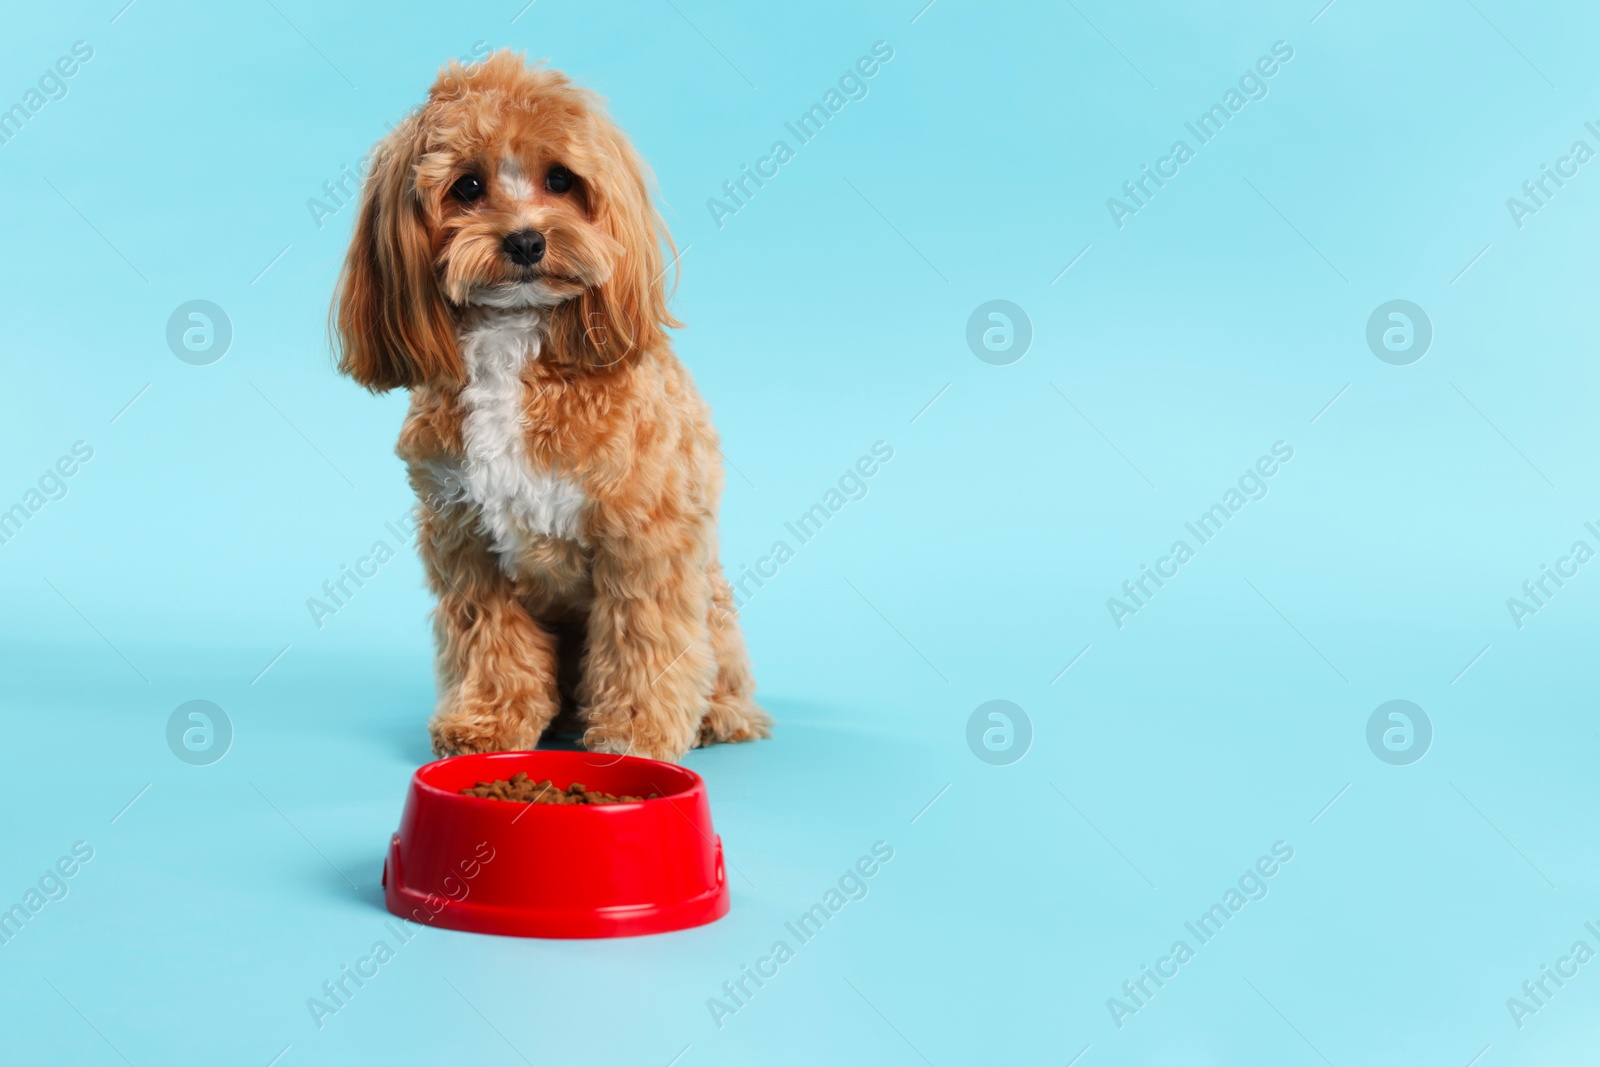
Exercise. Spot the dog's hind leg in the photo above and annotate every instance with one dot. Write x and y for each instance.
(733, 714)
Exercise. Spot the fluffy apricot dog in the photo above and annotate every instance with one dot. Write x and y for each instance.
(507, 269)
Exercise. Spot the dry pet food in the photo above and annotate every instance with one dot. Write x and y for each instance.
(524, 790)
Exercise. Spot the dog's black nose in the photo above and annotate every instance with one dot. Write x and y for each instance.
(525, 247)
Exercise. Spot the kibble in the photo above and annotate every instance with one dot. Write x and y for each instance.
(521, 789)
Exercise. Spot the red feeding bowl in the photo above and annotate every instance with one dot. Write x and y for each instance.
(557, 870)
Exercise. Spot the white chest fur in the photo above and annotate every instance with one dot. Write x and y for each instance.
(515, 499)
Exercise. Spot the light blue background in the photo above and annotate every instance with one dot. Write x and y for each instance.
(823, 317)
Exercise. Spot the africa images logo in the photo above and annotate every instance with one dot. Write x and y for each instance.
(1251, 886)
(1251, 485)
(1252, 85)
(852, 85)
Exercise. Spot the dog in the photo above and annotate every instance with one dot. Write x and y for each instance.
(507, 268)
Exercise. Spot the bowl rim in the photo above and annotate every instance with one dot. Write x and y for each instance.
(695, 782)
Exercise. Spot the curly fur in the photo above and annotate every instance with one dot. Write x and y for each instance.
(567, 472)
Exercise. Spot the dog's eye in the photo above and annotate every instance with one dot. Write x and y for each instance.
(559, 179)
(468, 188)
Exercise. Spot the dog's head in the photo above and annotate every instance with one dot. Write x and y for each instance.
(509, 188)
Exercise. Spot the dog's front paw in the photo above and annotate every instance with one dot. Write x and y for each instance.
(459, 732)
(621, 737)
(608, 740)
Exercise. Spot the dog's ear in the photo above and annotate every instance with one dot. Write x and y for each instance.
(391, 323)
(625, 314)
